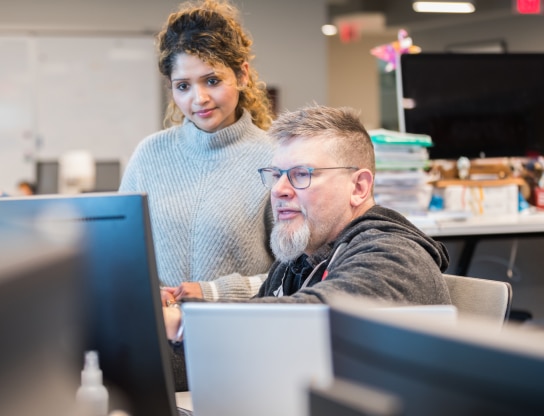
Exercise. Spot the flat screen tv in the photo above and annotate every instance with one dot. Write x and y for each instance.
(474, 105)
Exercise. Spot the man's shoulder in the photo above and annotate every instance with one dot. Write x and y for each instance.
(379, 216)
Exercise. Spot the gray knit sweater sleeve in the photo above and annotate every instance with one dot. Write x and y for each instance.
(210, 214)
(232, 287)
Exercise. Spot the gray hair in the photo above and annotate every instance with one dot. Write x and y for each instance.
(350, 142)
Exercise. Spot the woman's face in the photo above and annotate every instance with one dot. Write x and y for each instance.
(206, 95)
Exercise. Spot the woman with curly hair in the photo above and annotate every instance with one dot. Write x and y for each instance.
(210, 215)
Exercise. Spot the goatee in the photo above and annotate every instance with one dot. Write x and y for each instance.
(287, 245)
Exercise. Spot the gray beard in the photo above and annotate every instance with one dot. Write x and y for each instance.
(288, 245)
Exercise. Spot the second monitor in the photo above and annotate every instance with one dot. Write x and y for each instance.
(108, 176)
(437, 369)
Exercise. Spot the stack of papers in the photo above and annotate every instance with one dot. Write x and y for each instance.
(402, 151)
(401, 159)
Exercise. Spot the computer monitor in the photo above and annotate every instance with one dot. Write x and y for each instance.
(40, 323)
(122, 301)
(47, 177)
(346, 398)
(432, 369)
(474, 105)
(108, 176)
(253, 358)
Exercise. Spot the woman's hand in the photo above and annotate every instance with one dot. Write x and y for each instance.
(173, 322)
(167, 295)
(188, 290)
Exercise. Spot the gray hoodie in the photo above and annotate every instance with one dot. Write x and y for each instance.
(379, 254)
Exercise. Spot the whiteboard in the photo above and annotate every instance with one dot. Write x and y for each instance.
(98, 93)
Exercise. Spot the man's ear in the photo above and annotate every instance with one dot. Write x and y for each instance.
(362, 191)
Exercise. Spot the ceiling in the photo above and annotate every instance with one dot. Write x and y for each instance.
(397, 13)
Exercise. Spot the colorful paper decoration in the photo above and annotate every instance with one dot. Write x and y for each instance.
(390, 52)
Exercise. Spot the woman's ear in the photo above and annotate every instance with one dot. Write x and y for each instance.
(362, 191)
(243, 79)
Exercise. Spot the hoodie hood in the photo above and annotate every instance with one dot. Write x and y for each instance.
(379, 219)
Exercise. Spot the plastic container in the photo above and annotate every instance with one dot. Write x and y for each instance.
(92, 396)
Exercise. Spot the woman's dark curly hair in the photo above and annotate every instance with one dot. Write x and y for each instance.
(210, 30)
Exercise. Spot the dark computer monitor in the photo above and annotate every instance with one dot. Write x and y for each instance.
(122, 301)
(435, 370)
(108, 176)
(346, 398)
(47, 177)
(474, 105)
(40, 318)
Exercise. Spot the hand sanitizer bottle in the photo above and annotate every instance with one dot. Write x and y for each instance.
(92, 396)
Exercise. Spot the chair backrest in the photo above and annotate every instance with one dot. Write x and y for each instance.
(483, 298)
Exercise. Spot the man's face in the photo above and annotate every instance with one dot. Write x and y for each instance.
(308, 218)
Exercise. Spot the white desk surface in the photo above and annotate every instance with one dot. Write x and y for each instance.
(451, 225)
(183, 400)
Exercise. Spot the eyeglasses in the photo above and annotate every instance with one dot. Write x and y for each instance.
(300, 177)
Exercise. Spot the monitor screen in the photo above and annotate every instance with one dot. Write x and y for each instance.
(474, 105)
(122, 300)
(436, 369)
(39, 322)
(47, 177)
(108, 176)
(346, 398)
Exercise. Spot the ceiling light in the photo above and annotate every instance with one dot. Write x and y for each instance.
(443, 6)
(329, 30)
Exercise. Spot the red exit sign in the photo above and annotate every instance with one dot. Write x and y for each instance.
(528, 6)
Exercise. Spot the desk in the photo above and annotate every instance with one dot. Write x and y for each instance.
(183, 400)
(476, 228)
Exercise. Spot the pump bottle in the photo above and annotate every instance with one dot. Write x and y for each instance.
(92, 395)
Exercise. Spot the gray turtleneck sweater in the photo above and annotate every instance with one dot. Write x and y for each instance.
(210, 213)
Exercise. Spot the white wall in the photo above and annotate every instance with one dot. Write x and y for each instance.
(63, 93)
(354, 77)
(290, 50)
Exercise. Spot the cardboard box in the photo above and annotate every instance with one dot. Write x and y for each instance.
(499, 197)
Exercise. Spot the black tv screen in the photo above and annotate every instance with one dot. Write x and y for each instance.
(474, 105)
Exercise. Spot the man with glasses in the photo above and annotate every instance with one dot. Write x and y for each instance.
(329, 235)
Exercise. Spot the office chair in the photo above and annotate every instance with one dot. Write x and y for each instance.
(488, 299)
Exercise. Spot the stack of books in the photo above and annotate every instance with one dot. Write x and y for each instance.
(401, 181)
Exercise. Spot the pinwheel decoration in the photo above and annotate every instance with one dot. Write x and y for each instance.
(390, 52)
